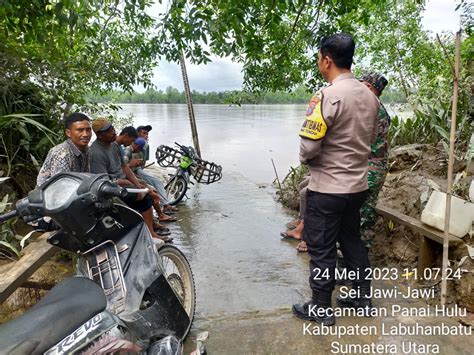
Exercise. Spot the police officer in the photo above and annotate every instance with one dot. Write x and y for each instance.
(336, 136)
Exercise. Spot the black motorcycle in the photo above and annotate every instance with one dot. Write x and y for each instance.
(126, 298)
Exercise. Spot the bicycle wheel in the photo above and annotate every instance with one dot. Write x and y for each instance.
(179, 275)
(176, 189)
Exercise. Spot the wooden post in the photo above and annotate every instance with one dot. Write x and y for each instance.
(276, 174)
(452, 137)
(189, 102)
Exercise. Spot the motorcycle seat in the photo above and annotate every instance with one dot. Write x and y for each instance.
(65, 308)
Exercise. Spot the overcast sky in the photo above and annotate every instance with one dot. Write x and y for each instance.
(222, 74)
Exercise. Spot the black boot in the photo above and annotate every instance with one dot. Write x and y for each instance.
(317, 310)
(363, 302)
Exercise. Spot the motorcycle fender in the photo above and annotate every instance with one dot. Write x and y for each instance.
(84, 335)
(184, 174)
(165, 317)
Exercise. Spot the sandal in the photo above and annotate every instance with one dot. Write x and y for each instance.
(162, 231)
(302, 247)
(169, 208)
(285, 235)
(168, 219)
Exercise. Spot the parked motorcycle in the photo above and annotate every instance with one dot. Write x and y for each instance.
(126, 297)
(187, 164)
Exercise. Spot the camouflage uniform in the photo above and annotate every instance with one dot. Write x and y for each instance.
(378, 168)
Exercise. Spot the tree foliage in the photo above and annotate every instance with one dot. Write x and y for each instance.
(275, 40)
(52, 53)
(72, 47)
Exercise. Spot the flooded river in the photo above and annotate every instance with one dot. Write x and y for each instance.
(246, 277)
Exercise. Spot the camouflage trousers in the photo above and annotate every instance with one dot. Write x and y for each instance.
(368, 216)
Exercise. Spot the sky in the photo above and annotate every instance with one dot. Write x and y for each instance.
(222, 74)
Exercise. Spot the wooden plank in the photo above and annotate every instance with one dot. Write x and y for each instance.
(35, 255)
(415, 224)
(426, 257)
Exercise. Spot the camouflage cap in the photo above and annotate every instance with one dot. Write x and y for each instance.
(378, 81)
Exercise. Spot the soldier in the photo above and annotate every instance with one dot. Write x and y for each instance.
(378, 160)
(340, 125)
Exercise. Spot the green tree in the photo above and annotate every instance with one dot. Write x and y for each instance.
(53, 53)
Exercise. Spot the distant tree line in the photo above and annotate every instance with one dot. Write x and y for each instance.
(236, 97)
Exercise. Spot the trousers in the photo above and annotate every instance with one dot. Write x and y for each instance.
(332, 218)
(156, 183)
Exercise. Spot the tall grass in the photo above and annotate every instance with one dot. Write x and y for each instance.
(431, 125)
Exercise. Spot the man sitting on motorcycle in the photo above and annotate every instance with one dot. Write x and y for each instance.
(126, 138)
(106, 158)
(72, 155)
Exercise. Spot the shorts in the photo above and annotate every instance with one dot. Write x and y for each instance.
(138, 205)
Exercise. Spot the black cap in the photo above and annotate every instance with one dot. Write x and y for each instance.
(144, 128)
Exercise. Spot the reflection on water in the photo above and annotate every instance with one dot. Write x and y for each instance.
(241, 139)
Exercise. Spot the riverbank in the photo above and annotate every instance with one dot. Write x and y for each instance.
(415, 172)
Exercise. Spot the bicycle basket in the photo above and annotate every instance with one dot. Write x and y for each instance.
(167, 157)
(206, 172)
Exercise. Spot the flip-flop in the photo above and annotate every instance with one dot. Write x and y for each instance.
(169, 219)
(171, 209)
(162, 232)
(160, 227)
(285, 235)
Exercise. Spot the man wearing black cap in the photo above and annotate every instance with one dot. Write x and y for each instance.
(143, 132)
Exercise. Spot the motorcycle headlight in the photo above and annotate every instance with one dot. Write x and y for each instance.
(59, 192)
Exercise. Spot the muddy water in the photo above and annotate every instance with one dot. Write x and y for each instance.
(230, 229)
(241, 139)
(246, 276)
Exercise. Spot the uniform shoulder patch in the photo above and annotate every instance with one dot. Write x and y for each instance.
(314, 127)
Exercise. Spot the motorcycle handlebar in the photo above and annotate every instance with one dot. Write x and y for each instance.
(6, 216)
(132, 190)
(114, 191)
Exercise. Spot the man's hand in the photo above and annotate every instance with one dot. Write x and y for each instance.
(141, 185)
(133, 163)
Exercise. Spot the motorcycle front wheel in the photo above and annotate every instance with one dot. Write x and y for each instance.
(179, 275)
(176, 189)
